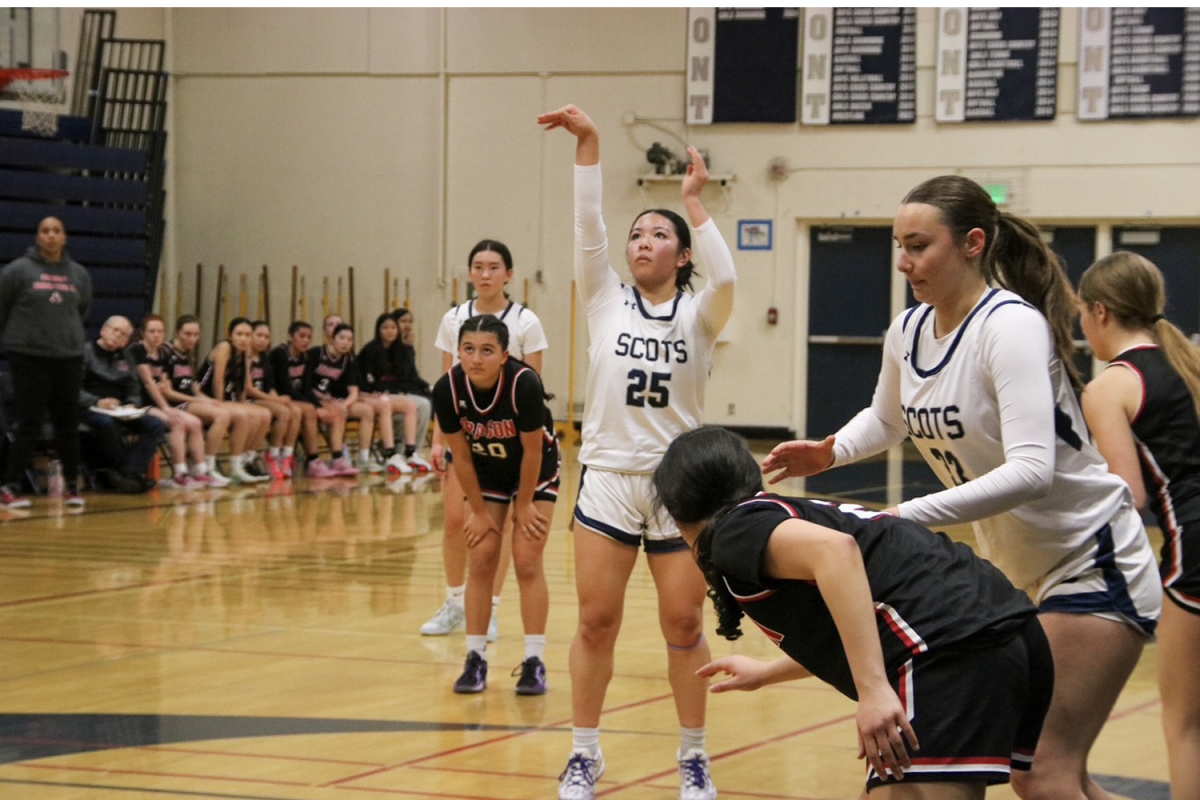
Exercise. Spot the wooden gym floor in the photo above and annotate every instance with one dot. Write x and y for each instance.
(263, 644)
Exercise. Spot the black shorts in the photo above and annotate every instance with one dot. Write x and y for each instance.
(1180, 566)
(977, 713)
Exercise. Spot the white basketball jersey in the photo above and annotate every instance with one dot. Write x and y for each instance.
(950, 408)
(649, 368)
(525, 333)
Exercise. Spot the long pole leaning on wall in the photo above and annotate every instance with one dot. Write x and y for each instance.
(571, 375)
(350, 281)
(387, 288)
(222, 300)
(178, 299)
(199, 287)
(243, 295)
(264, 295)
(292, 306)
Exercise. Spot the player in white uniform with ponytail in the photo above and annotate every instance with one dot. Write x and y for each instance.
(981, 379)
(651, 352)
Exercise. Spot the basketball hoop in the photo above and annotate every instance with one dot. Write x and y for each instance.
(37, 91)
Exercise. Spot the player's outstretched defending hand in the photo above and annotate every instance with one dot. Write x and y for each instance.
(798, 459)
(745, 674)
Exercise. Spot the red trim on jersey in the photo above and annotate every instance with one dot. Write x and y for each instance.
(1172, 532)
(904, 680)
(912, 640)
(998, 761)
(762, 498)
(520, 372)
(495, 398)
(1141, 378)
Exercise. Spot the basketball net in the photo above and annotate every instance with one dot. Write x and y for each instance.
(37, 93)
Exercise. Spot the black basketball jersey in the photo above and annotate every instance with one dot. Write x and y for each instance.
(180, 371)
(929, 592)
(235, 376)
(1168, 437)
(287, 370)
(330, 375)
(493, 421)
(158, 363)
(261, 377)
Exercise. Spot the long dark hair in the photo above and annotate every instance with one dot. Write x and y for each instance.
(683, 275)
(704, 475)
(1014, 255)
(387, 357)
(490, 323)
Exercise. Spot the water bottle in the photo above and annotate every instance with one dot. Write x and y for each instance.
(54, 479)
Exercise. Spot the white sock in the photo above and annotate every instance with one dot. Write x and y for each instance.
(477, 644)
(212, 463)
(288, 452)
(587, 739)
(535, 645)
(456, 595)
(200, 469)
(179, 469)
(692, 739)
(495, 601)
(364, 455)
(274, 451)
(235, 462)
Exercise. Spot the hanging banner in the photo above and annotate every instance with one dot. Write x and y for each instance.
(859, 66)
(1139, 62)
(996, 64)
(741, 65)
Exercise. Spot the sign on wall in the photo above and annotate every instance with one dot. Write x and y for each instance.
(741, 64)
(996, 64)
(859, 66)
(1139, 62)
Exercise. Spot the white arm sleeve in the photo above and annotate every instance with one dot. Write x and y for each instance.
(594, 275)
(880, 425)
(1013, 351)
(715, 301)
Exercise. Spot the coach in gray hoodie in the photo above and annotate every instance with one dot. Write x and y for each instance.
(44, 298)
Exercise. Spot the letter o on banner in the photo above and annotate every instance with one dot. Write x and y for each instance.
(952, 22)
(818, 26)
(701, 30)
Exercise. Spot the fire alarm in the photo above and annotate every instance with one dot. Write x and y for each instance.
(772, 315)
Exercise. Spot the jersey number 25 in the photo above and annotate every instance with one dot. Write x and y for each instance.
(659, 394)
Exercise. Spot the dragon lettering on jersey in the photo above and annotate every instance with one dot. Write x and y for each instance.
(330, 372)
(492, 429)
(933, 423)
(667, 350)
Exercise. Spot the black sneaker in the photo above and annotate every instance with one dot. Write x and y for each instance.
(474, 677)
(533, 676)
(11, 497)
(72, 498)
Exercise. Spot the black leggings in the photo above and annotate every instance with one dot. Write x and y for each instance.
(43, 385)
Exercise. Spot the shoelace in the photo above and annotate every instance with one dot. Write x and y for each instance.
(695, 772)
(578, 771)
(528, 670)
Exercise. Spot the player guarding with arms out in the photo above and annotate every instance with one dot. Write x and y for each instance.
(651, 352)
(490, 267)
(492, 412)
(946, 659)
(1142, 411)
(980, 377)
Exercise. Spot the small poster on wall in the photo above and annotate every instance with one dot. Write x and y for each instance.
(754, 234)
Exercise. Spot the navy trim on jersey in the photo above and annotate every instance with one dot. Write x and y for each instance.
(1065, 429)
(642, 307)
(500, 316)
(1008, 302)
(907, 317)
(1115, 596)
(953, 345)
(659, 546)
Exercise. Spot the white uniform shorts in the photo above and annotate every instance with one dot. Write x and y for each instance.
(1113, 575)
(621, 506)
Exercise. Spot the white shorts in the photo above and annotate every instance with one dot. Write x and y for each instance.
(621, 506)
(1113, 575)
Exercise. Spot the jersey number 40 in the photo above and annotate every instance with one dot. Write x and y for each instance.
(658, 394)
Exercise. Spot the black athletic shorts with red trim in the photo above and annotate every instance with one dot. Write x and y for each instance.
(546, 489)
(1180, 565)
(977, 713)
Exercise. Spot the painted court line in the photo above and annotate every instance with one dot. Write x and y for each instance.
(141, 790)
(151, 774)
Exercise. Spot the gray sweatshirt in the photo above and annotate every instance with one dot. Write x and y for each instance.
(43, 305)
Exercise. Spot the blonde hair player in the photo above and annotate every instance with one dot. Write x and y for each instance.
(979, 376)
(1142, 411)
(650, 355)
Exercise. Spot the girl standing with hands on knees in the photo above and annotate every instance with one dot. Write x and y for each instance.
(980, 377)
(651, 353)
(1142, 411)
(491, 409)
(490, 265)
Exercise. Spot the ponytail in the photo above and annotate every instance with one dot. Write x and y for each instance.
(1020, 261)
(705, 474)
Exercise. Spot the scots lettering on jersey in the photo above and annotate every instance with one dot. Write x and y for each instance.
(492, 429)
(666, 350)
(933, 423)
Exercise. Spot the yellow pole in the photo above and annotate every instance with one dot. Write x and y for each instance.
(526, 300)
(324, 298)
(387, 288)
(243, 295)
(407, 293)
(456, 291)
(339, 297)
(292, 307)
(352, 303)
